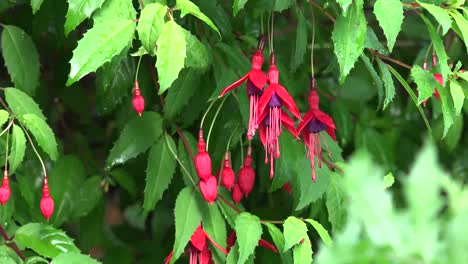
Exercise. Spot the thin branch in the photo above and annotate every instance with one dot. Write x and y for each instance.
(383, 57)
(233, 207)
(186, 144)
(11, 244)
(323, 11)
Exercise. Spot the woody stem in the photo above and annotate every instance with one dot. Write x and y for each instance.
(11, 244)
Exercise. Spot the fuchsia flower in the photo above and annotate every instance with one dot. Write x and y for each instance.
(138, 101)
(5, 189)
(314, 122)
(209, 189)
(246, 177)
(271, 116)
(256, 80)
(202, 160)
(227, 176)
(47, 203)
(237, 193)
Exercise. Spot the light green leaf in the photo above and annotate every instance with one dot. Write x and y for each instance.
(18, 146)
(3, 117)
(238, 5)
(112, 9)
(457, 95)
(21, 58)
(137, 136)
(278, 239)
(348, 37)
(323, 233)
(462, 23)
(294, 231)
(171, 54)
(425, 81)
(197, 55)
(301, 41)
(389, 180)
(102, 42)
(440, 14)
(5, 257)
(73, 258)
(182, 91)
(249, 232)
(150, 25)
(44, 240)
(389, 13)
(79, 10)
(36, 5)
(448, 110)
(344, 5)
(36, 260)
(303, 252)
(21, 103)
(388, 82)
(161, 168)
(188, 216)
(42, 133)
(187, 7)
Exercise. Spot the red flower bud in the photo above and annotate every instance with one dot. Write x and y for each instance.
(209, 189)
(202, 160)
(246, 178)
(47, 204)
(198, 239)
(138, 100)
(5, 189)
(228, 176)
(287, 187)
(237, 194)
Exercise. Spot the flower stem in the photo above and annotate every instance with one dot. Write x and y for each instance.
(206, 113)
(212, 122)
(138, 68)
(35, 150)
(7, 128)
(180, 162)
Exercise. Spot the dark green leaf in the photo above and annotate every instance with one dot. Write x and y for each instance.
(278, 239)
(249, 232)
(36, 5)
(88, 196)
(294, 232)
(389, 13)
(215, 226)
(79, 10)
(388, 83)
(238, 5)
(150, 25)
(181, 93)
(73, 258)
(18, 146)
(301, 41)
(42, 133)
(197, 55)
(448, 110)
(375, 77)
(21, 104)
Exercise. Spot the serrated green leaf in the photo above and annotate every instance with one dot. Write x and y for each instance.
(102, 42)
(36, 5)
(187, 7)
(303, 252)
(301, 41)
(248, 231)
(462, 23)
(182, 91)
(388, 83)
(150, 25)
(425, 81)
(112, 9)
(188, 216)
(44, 240)
(335, 203)
(21, 58)
(375, 77)
(21, 103)
(372, 42)
(440, 14)
(160, 169)
(3, 117)
(344, 5)
(215, 226)
(278, 239)
(73, 258)
(294, 231)
(18, 147)
(197, 55)
(42, 133)
(78, 11)
(171, 54)
(137, 136)
(238, 5)
(389, 180)
(348, 37)
(448, 110)
(389, 13)
(88, 196)
(323, 233)
(457, 95)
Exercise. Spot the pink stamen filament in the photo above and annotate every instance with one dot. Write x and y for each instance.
(252, 116)
(311, 147)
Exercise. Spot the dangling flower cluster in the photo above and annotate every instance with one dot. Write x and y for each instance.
(208, 183)
(314, 122)
(138, 101)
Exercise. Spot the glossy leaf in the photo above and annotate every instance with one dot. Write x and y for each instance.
(238, 5)
(18, 147)
(150, 25)
(323, 233)
(78, 11)
(113, 9)
(294, 232)
(42, 133)
(187, 7)
(249, 232)
(73, 258)
(389, 13)
(21, 104)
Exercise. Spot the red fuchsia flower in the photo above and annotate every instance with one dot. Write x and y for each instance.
(5, 189)
(237, 193)
(270, 115)
(138, 101)
(202, 160)
(47, 203)
(227, 176)
(246, 177)
(231, 240)
(209, 189)
(256, 80)
(314, 122)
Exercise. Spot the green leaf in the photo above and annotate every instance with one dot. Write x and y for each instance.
(182, 91)
(18, 147)
(457, 95)
(462, 23)
(36, 5)
(35, 260)
(389, 13)
(425, 81)
(150, 25)
(215, 226)
(42, 133)
(187, 7)
(303, 252)
(388, 82)
(44, 240)
(21, 103)
(161, 168)
(335, 203)
(171, 54)
(112, 9)
(375, 78)
(9, 209)
(372, 42)
(188, 216)
(238, 5)
(440, 14)
(102, 42)
(249, 232)
(278, 239)
(21, 58)
(280, 5)
(197, 55)
(137, 136)
(3, 117)
(323, 233)
(78, 11)
(73, 258)
(5, 258)
(344, 5)
(448, 110)
(348, 37)
(88, 196)
(389, 180)
(294, 231)
(301, 41)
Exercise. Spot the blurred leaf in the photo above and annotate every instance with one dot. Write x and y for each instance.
(238, 5)
(18, 147)
(73, 258)
(388, 83)
(294, 232)
(36, 5)
(78, 11)
(150, 25)
(335, 203)
(88, 196)
(389, 180)
(448, 110)
(301, 41)
(462, 23)
(171, 54)
(3, 116)
(188, 7)
(21, 104)
(280, 5)
(182, 91)
(344, 5)
(323, 233)
(440, 14)
(249, 232)
(21, 58)
(42, 133)
(112, 9)
(303, 252)
(35, 260)
(389, 13)
(44, 240)
(137, 136)
(458, 96)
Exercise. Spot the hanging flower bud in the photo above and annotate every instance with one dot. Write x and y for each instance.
(209, 189)
(5, 189)
(246, 178)
(202, 160)
(47, 204)
(228, 176)
(138, 100)
(236, 193)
